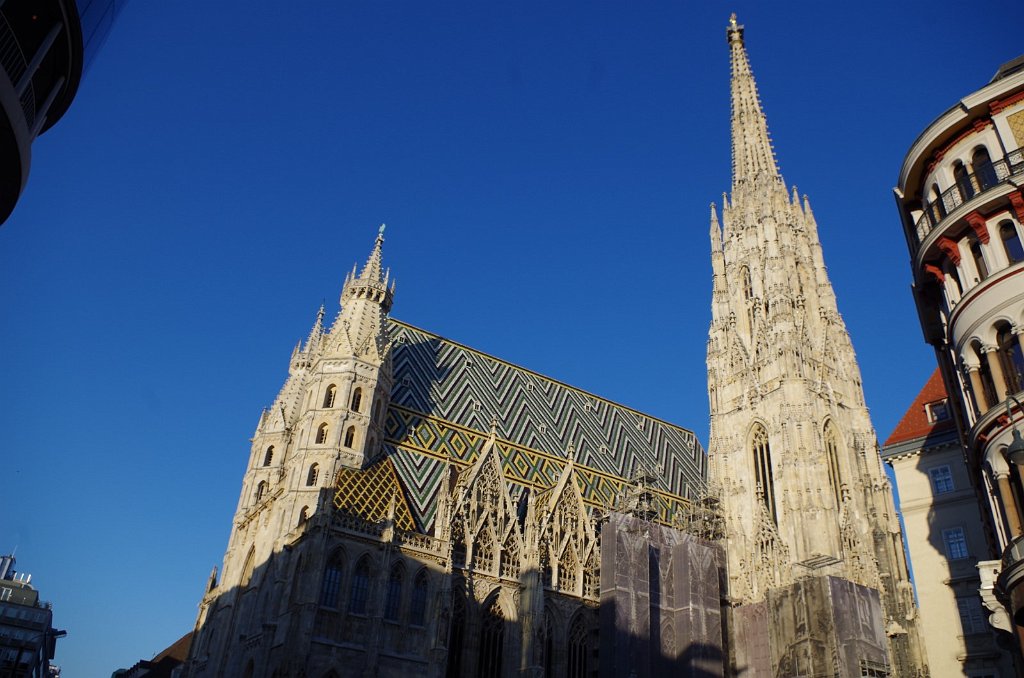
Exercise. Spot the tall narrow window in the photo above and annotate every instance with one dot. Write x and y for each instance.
(963, 182)
(1011, 360)
(492, 641)
(935, 207)
(1011, 241)
(350, 436)
(313, 475)
(330, 587)
(418, 604)
(393, 601)
(261, 490)
(835, 477)
(748, 288)
(248, 567)
(984, 172)
(457, 632)
(303, 515)
(321, 434)
(763, 470)
(579, 649)
(269, 456)
(357, 399)
(376, 411)
(329, 395)
(978, 255)
(360, 588)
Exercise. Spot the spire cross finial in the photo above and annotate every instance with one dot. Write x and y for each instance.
(380, 231)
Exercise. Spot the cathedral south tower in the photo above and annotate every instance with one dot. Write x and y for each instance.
(810, 521)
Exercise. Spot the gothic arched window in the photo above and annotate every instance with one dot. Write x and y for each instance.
(330, 587)
(350, 436)
(376, 410)
(261, 490)
(579, 649)
(313, 475)
(269, 456)
(762, 456)
(746, 284)
(984, 172)
(1011, 360)
(321, 434)
(457, 633)
(1011, 241)
(360, 587)
(393, 600)
(492, 641)
(329, 395)
(248, 567)
(418, 604)
(357, 399)
(303, 515)
(835, 477)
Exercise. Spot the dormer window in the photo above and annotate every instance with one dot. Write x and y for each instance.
(937, 411)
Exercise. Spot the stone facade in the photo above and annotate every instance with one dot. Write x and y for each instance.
(792, 449)
(413, 507)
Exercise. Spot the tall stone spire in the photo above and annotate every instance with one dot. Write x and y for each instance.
(791, 446)
(366, 298)
(752, 155)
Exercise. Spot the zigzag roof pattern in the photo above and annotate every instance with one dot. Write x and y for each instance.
(445, 396)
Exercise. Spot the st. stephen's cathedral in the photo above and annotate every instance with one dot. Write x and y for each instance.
(413, 507)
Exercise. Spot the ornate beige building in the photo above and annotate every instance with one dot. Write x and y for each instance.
(961, 202)
(413, 507)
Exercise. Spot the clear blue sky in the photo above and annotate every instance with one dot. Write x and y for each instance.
(545, 173)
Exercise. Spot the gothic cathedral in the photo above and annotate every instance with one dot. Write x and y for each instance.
(414, 507)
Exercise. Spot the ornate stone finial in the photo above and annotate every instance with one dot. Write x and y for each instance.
(380, 231)
(734, 30)
(570, 453)
(494, 426)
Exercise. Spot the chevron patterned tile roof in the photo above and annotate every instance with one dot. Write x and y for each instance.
(445, 396)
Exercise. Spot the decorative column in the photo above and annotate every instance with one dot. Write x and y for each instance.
(1009, 502)
(980, 399)
(996, 370)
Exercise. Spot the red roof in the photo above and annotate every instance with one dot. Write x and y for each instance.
(915, 423)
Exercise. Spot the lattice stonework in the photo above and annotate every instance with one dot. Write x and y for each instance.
(1016, 123)
(368, 494)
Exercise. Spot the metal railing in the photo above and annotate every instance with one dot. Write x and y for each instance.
(985, 177)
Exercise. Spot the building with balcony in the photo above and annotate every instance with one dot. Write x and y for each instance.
(961, 202)
(945, 538)
(27, 637)
(45, 45)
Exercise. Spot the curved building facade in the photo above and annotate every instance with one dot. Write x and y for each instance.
(961, 201)
(44, 47)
